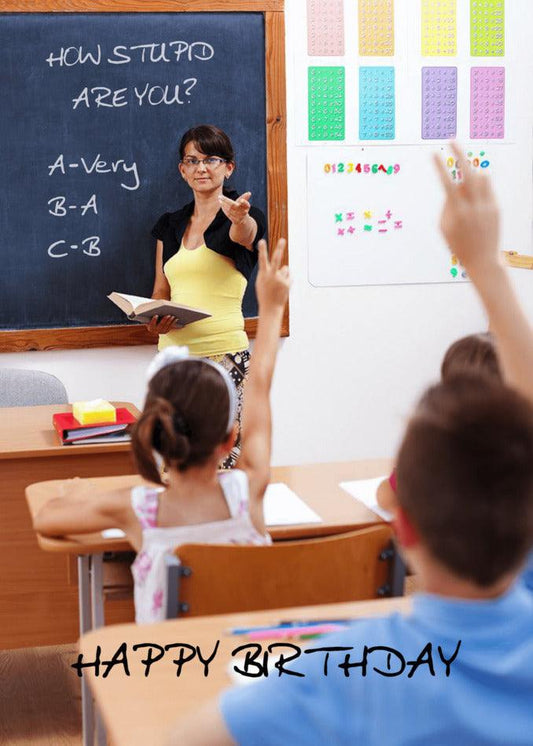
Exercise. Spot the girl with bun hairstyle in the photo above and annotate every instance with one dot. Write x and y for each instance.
(188, 426)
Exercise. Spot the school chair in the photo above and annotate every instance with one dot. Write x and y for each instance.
(24, 388)
(221, 579)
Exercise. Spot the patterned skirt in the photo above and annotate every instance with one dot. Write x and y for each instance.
(237, 366)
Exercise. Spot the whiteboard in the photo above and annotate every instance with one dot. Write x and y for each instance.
(380, 224)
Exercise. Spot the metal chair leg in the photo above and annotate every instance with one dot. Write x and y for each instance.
(84, 602)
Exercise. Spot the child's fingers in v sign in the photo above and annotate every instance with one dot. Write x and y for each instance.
(273, 279)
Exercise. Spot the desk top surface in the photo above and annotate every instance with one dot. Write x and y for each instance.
(139, 709)
(28, 432)
(316, 484)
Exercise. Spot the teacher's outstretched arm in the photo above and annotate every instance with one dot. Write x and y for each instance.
(243, 227)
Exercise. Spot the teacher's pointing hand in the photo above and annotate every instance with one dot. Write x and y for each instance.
(236, 210)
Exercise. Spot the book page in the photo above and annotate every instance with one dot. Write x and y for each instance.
(135, 300)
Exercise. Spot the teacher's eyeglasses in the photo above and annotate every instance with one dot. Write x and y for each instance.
(210, 162)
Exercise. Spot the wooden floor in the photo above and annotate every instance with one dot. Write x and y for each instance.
(40, 697)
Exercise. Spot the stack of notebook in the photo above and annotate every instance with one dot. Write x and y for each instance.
(71, 432)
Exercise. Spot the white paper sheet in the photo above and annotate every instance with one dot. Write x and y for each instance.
(283, 507)
(365, 491)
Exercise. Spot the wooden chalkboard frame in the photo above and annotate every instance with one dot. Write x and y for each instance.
(276, 132)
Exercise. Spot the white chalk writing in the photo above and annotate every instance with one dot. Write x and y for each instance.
(60, 249)
(59, 209)
(102, 96)
(153, 52)
(94, 96)
(100, 166)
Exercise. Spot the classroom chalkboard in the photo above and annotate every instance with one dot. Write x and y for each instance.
(95, 105)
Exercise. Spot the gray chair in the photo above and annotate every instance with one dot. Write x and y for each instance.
(24, 388)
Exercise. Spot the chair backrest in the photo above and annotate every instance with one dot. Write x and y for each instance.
(219, 579)
(24, 388)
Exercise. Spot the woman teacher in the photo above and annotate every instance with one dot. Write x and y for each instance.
(205, 254)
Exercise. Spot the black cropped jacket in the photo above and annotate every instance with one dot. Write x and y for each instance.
(171, 227)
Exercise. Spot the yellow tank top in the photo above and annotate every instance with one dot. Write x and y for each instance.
(201, 278)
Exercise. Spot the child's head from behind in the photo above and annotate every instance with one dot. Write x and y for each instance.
(185, 417)
(474, 354)
(465, 477)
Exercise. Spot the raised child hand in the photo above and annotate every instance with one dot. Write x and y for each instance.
(273, 279)
(470, 217)
(236, 210)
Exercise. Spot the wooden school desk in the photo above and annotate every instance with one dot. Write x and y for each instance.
(138, 710)
(38, 592)
(316, 484)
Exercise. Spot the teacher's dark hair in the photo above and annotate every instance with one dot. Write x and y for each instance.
(209, 140)
(185, 417)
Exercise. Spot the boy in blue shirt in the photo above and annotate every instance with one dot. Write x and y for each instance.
(459, 668)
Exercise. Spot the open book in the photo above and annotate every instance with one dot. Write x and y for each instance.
(142, 309)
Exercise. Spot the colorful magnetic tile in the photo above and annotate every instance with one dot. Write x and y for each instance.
(376, 28)
(439, 28)
(325, 28)
(326, 103)
(439, 102)
(376, 103)
(487, 28)
(487, 103)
